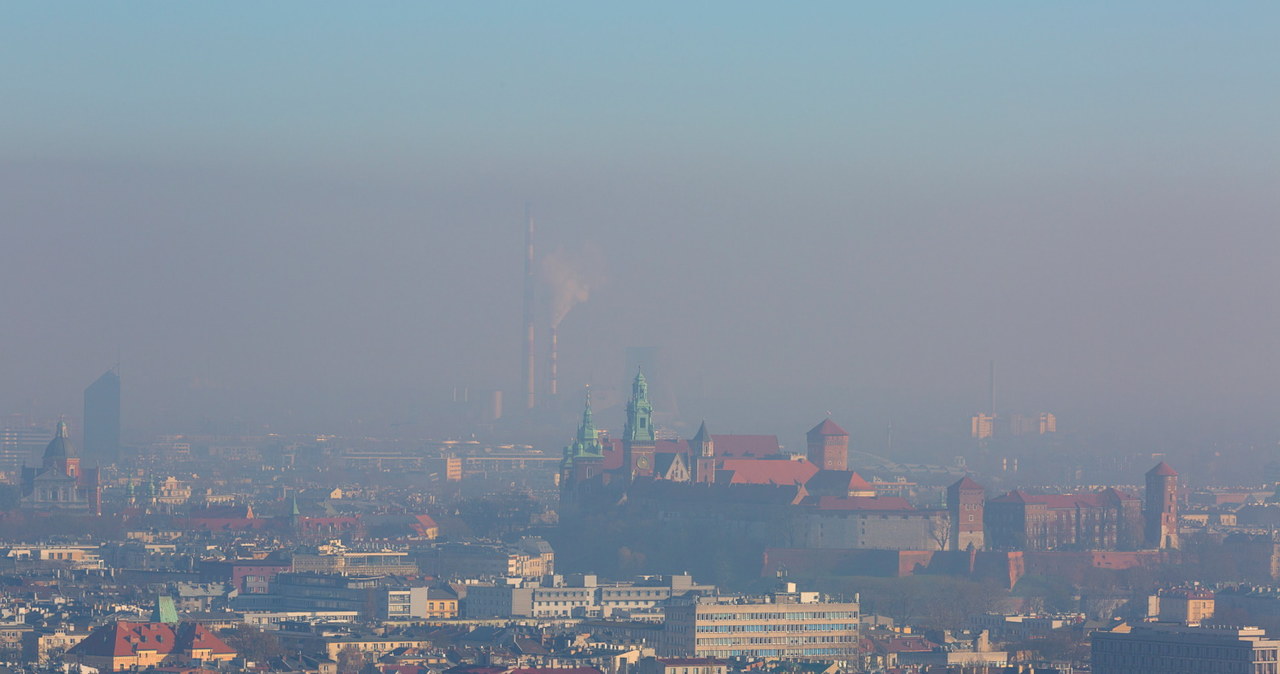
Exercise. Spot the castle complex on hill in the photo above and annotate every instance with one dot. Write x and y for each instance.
(743, 483)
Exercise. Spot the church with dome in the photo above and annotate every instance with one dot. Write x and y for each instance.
(60, 484)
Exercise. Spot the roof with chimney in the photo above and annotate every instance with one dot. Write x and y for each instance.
(125, 638)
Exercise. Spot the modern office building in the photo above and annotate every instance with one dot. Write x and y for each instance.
(1179, 649)
(102, 419)
(789, 624)
(576, 596)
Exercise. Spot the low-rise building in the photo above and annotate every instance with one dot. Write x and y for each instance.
(1181, 649)
(576, 596)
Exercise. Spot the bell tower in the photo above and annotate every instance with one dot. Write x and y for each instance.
(702, 455)
(638, 440)
(1161, 513)
(828, 446)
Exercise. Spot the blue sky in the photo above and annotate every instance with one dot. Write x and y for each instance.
(832, 206)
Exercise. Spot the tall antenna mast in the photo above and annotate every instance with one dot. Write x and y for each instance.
(529, 393)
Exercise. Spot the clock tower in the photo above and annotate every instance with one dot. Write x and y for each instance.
(638, 441)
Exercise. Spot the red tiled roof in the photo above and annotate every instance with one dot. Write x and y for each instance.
(1163, 469)
(967, 482)
(123, 638)
(827, 427)
(766, 471)
(423, 524)
(864, 503)
(856, 483)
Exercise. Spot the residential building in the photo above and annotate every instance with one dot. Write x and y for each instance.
(652, 665)
(122, 645)
(530, 558)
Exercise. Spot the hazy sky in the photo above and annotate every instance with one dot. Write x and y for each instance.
(307, 214)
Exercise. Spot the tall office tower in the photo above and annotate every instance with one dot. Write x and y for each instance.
(1162, 508)
(102, 419)
(828, 446)
(982, 426)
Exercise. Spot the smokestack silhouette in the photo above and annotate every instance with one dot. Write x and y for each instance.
(529, 393)
(991, 390)
(555, 353)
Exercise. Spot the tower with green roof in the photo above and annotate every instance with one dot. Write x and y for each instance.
(584, 457)
(638, 440)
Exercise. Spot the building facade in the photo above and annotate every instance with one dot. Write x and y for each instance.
(788, 625)
(60, 484)
(102, 418)
(1161, 513)
(1179, 649)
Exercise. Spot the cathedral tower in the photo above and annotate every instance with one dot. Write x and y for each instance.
(1161, 513)
(702, 455)
(584, 457)
(638, 441)
(829, 446)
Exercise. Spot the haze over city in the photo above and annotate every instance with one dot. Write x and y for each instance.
(311, 217)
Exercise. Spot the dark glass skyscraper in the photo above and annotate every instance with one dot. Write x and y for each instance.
(102, 419)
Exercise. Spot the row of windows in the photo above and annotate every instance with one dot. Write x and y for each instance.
(798, 615)
(732, 641)
(807, 627)
(1182, 650)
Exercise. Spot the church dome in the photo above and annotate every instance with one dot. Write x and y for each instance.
(60, 446)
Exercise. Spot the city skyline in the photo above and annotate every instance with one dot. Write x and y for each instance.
(811, 209)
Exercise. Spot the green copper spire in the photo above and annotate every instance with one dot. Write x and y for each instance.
(587, 431)
(293, 506)
(587, 443)
(639, 413)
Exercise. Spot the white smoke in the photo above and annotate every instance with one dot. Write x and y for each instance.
(569, 277)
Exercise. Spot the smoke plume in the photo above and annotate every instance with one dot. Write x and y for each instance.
(569, 276)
